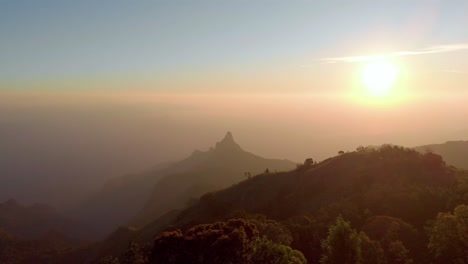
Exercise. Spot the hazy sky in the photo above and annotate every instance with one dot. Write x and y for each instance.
(217, 45)
(107, 87)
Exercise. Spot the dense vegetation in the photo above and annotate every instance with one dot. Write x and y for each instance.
(50, 248)
(220, 167)
(454, 152)
(148, 195)
(34, 221)
(385, 205)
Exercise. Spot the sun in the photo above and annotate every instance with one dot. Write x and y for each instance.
(379, 77)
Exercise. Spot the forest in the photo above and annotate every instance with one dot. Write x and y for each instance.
(374, 205)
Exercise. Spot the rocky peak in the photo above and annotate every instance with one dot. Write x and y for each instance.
(227, 143)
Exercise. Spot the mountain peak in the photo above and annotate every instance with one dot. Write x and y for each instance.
(228, 137)
(227, 143)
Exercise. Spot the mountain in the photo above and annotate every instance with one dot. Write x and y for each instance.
(454, 152)
(31, 222)
(118, 200)
(205, 171)
(171, 185)
(385, 181)
(391, 193)
(52, 247)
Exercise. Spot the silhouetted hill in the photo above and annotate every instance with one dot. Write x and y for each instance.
(52, 247)
(390, 192)
(28, 222)
(118, 200)
(225, 164)
(387, 181)
(171, 186)
(454, 152)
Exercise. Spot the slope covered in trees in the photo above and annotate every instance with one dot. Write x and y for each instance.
(455, 153)
(386, 205)
(225, 164)
(173, 186)
(30, 222)
(50, 248)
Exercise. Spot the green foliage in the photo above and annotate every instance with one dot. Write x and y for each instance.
(307, 234)
(204, 172)
(454, 152)
(135, 254)
(342, 246)
(109, 260)
(448, 236)
(266, 251)
(308, 163)
(273, 230)
(371, 251)
(389, 193)
(228, 242)
(234, 241)
(398, 254)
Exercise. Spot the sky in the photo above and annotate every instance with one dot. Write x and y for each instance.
(105, 88)
(204, 45)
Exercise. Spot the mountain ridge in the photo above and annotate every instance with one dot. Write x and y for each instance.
(455, 152)
(219, 167)
(132, 192)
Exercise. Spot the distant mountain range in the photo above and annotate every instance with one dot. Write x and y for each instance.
(171, 186)
(32, 222)
(140, 198)
(455, 153)
(386, 186)
(375, 188)
(225, 164)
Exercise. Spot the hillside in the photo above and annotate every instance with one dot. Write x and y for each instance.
(30, 222)
(392, 194)
(171, 186)
(225, 164)
(389, 181)
(454, 152)
(129, 192)
(52, 247)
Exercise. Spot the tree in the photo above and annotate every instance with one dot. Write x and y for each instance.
(134, 255)
(371, 251)
(273, 230)
(397, 253)
(228, 242)
(266, 251)
(342, 246)
(109, 260)
(340, 152)
(448, 236)
(308, 163)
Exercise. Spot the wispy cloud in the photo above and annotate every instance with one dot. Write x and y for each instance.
(428, 50)
(454, 71)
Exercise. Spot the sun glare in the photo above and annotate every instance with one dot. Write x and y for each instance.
(379, 77)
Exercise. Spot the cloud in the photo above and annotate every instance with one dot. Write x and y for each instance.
(453, 71)
(428, 50)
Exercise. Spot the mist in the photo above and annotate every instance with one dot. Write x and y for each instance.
(59, 148)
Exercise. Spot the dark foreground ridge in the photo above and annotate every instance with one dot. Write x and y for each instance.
(369, 206)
